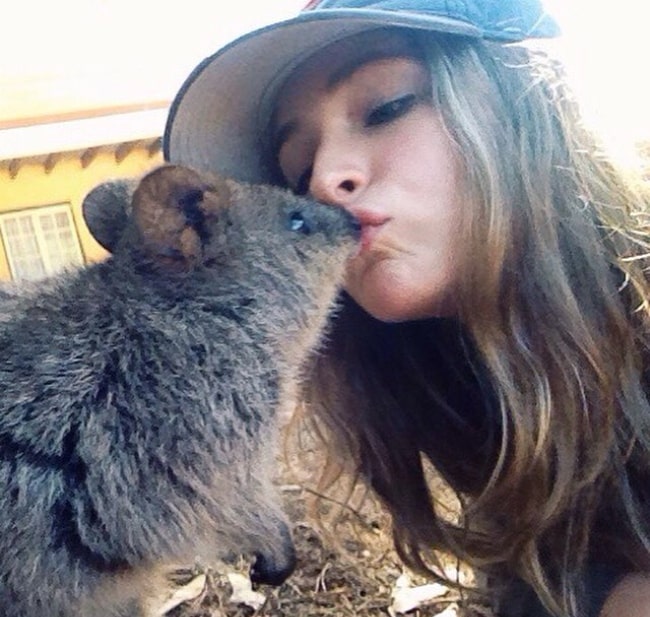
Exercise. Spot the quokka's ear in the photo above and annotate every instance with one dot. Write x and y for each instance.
(106, 211)
(171, 208)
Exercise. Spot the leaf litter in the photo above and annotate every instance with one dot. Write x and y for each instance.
(346, 569)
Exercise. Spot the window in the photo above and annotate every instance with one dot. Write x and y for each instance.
(40, 241)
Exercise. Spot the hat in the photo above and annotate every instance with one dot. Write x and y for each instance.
(218, 118)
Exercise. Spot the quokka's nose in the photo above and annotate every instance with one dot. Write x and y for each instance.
(337, 222)
(274, 568)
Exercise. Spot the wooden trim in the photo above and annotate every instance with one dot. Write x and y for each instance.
(51, 161)
(81, 114)
(14, 168)
(88, 156)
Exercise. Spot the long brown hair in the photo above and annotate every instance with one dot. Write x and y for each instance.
(533, 404)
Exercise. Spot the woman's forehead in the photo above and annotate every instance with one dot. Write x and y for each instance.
(341, 58)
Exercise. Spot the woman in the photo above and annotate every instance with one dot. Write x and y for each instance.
(495, 320)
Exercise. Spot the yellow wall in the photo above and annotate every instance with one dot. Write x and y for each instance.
(67, 182)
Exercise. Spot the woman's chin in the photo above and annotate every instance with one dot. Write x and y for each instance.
(392, 306)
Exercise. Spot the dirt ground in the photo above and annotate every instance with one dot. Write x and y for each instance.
(351, 572)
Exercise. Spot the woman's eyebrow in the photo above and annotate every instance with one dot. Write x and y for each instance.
(348, 68)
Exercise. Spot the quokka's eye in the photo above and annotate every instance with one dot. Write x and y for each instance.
(298, 223)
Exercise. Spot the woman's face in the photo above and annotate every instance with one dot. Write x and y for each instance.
(355, 127)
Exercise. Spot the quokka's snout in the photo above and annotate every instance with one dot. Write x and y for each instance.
(273, 568)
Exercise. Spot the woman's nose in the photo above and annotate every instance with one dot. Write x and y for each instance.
(339, 174)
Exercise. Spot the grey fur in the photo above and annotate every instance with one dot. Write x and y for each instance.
(138, 396)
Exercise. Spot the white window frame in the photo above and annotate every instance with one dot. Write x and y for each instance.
(51, 261)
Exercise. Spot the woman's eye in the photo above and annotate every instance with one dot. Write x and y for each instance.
(386, 112)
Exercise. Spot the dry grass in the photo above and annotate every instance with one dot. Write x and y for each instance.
(351, 572)
(351, 576)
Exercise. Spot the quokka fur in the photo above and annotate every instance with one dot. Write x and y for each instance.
(139, 395)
